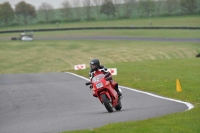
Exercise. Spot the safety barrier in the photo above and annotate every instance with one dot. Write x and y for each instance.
(98, 28)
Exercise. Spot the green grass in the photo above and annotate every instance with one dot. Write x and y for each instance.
(131, 33)
(148, 66)
(190, 21)
(37, 56)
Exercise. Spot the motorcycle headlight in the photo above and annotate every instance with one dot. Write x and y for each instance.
(99, 85)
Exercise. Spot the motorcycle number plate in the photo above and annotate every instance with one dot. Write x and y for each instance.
(99, 85)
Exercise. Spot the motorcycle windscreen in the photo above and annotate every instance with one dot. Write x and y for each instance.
(98, 78)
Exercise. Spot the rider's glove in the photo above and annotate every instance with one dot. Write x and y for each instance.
(109, 78)
(91, 86)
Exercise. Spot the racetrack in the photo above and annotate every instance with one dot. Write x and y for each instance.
(55, 102)
(127, 38)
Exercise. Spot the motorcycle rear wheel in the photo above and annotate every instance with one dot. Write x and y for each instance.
(107, 103)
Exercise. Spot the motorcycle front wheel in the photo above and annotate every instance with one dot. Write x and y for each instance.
(107, 103)
(119, 106)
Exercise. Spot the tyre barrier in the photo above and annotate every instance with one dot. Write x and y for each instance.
(14, 38)
(99, 28)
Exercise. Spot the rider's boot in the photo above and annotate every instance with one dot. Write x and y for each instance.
(118, 92)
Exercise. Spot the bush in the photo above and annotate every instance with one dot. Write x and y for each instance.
(71, 20)
(165, 15)
(41, 22)
(75, 20)
(198, 12)
(55, 21)
(123, 17)
(15, 24)
(90, 19)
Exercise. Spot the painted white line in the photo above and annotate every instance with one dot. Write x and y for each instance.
(78, 76)
(189, 105)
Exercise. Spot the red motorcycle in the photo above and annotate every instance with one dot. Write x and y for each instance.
(104, 90)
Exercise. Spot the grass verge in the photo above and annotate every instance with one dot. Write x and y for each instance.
(188, 21)
(48, 56)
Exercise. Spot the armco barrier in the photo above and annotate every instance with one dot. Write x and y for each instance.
(97, 28)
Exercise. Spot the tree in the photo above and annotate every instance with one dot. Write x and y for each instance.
(171, 5)
(87, 5)
(47, 10)
(97, 4)
(66, 10)
(147, 6)
(108, 8)
(77, 8)
(198, 6)
(27, 11)
(128, 8)
(118, 4)
(188, 6)
(137, 6)
(158, 5)
(6, 13)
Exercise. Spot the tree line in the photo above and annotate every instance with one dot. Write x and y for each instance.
(26, 12)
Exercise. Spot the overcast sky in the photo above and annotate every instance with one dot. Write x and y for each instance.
(37, 3)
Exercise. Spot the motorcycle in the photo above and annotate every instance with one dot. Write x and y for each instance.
(104, 90)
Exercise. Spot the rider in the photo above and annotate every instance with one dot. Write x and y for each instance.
(96, 69)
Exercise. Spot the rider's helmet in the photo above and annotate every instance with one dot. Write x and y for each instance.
(94, 64)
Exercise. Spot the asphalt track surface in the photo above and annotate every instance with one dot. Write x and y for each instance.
(127, 38)
(55, 102)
